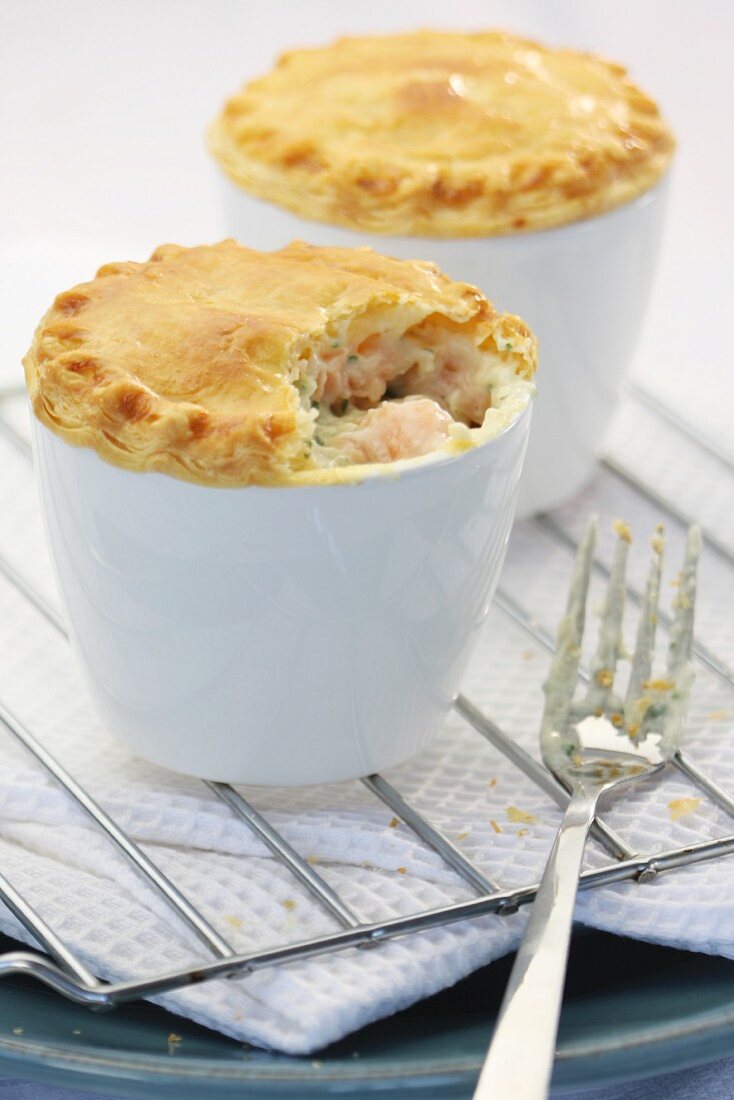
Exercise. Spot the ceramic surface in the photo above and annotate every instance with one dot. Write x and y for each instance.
(631, 1011)
(277, 635)
(582, 288)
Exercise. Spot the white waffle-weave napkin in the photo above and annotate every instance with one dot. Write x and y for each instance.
(97, 904)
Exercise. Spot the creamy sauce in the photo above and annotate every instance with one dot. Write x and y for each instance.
(400, 396)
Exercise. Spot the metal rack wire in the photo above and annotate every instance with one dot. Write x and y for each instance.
(63, 971)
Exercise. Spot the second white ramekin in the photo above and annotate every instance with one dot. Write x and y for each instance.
(583, 289)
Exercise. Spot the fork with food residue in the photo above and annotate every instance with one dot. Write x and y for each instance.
(591, 745)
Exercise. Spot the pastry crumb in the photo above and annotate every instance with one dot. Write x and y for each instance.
(493, 783)
(289, 904)
(402, 870)
(312, 860)
(18, 1030)
(658, 685)
(497, 827)
(622, 529)
(232, 920)
(394, 822)
(683, 807)
(464, 835)
(522, 832)
(518, 817)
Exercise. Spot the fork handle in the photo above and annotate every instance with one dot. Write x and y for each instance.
(520, 1059)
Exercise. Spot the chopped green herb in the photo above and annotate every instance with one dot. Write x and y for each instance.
(343, 408)
(508, 347)
(315, 405)
(335, 343)
(319, 440)
(352, 359)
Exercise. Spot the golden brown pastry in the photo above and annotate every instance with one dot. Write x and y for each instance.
(443, 134)
(228, 367)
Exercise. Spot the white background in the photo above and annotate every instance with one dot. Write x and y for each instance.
(105, 105)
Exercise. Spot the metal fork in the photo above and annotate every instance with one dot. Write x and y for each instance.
(591, 745)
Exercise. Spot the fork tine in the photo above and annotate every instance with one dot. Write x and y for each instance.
(681, 629)
(609, 646)
(641, 669)
(561, 680)
(680, 666)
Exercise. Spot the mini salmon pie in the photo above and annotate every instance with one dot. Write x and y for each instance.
(442, 134)
(230, 367)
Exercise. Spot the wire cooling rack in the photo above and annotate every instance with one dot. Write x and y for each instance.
(61, 969)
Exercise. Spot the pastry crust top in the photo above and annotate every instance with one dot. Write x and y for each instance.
(188, 364)
(443, 135)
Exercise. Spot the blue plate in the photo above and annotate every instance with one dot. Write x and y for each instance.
(632, 1010)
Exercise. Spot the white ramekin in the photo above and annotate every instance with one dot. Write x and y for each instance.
(582, 288)
(277, 636)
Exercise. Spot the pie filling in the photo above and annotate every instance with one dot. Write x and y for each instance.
(403, 392)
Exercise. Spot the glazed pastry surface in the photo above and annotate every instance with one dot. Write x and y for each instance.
(229, 367)
(443, 134)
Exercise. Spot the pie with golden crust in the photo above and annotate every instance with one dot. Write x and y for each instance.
(229, 367)
(442, 134)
